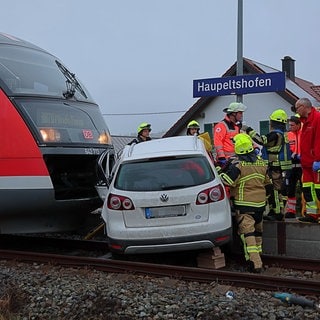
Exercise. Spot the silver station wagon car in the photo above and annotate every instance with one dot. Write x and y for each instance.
(166, 195)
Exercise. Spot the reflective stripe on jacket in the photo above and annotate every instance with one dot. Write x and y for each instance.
(277, 153)
(248, 188)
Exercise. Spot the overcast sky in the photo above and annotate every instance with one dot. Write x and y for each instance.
(138, 58)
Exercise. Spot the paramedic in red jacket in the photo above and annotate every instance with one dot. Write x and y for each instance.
(310, 158)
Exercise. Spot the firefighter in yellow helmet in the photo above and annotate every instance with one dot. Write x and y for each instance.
(143, 131)
(279, 115)
(193, 128)
(277, 154)
(248, 180)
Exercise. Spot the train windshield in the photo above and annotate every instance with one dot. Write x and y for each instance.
(61, 122)
(26, 71)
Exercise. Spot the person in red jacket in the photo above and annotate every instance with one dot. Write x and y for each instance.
(310, 158)
(225, 130)
(293, 176)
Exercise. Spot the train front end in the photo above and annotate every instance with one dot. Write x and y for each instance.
(52, 137)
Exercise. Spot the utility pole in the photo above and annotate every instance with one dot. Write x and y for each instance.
(240, 44)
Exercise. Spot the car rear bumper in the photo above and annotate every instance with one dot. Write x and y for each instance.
(203, 241)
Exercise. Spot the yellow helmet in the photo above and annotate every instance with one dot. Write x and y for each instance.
(279, 115)
(143, 126)
(241, 135)
(193, 124)
(243, 143)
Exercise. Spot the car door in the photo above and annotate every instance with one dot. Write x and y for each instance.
(104, 167)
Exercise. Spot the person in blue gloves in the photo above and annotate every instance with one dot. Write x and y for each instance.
(310, 158)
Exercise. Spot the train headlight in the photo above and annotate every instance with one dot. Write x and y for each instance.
(104, 138)
(50, 135)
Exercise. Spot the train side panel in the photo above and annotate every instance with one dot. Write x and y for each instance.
(52, 138)
(19, 153)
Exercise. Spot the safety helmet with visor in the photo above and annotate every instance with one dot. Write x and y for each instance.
(279, 115)
(144, 126)
(193, 124)
(243, 144)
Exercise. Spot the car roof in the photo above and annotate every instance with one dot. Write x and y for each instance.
(172, 146)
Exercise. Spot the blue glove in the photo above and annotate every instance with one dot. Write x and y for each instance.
(222, 162)
(295, 156)
(316, 166)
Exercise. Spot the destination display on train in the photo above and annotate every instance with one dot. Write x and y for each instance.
(48, 118)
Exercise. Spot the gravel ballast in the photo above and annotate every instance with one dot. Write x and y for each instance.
(41, 292)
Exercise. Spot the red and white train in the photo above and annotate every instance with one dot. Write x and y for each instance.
(53, 142)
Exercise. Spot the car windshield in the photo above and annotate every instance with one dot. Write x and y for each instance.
(164, 174)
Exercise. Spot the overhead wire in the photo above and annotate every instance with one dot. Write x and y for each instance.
(141, 113)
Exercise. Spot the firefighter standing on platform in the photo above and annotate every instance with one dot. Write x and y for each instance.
(277, 154)
(225, 130)
(248, 179)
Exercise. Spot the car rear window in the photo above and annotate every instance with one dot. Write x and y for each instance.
(163, 174)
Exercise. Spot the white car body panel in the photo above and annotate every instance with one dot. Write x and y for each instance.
(190, 226)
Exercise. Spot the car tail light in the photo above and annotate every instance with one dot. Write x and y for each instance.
(116, 202)
(225, 238)
(213, 194)
(116, 247)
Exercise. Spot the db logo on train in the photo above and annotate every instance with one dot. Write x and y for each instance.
(87, 134)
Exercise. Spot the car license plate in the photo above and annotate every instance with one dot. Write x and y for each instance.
(164, 212)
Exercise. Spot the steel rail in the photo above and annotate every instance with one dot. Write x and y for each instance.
(21, 241)
(283, 261)
(247, 280)
(17, 242)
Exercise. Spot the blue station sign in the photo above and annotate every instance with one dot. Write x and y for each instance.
(255, 83)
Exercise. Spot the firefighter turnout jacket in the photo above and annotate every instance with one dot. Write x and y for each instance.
(248, 181)
(276, 150)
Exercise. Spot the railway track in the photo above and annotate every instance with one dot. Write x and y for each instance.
(105, 263)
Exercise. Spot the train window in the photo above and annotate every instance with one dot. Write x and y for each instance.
(28, 71)
(60, 122)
